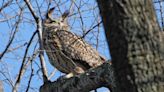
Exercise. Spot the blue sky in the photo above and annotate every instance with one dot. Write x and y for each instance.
(10, 64)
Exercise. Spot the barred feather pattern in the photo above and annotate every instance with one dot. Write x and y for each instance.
(67, 51)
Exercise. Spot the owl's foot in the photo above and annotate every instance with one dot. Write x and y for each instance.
(69, 75)
(79, 70)
(62, 78)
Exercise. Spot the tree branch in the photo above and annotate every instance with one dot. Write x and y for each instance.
(5, 5)
(101, 76)
(39, 29)
(23, 67)
(13, 35)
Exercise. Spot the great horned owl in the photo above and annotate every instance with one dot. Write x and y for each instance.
(66, 51)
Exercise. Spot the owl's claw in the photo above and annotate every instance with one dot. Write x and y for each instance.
(64, 77)
(69, 75)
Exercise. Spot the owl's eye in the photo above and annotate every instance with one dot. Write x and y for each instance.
(53, 21)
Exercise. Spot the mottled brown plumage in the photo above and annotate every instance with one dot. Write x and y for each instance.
(66, 51)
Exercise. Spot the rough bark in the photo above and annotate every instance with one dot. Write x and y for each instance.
(135, 44)
(101, 76)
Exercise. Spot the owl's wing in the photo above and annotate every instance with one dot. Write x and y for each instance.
(78, 50)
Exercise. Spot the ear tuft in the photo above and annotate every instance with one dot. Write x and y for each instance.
(65, 14)
(49, 13)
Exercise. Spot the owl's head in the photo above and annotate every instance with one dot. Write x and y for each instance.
(60, 23)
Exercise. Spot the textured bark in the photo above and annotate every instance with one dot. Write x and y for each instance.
(134, 39)
(101, 76)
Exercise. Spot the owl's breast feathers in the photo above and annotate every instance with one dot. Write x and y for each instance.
(74, 48)
(77, 49)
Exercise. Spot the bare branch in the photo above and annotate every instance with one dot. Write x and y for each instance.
(22, 69)
(101, 76)
(52, 74)
(13, 36)
(8, 18)
(39, 29)
(12, 49)
(6, 78)
(32, 10)
(5, 5)
(31, 75)
(97, 25)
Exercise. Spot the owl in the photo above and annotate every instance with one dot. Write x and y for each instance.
(66, 51)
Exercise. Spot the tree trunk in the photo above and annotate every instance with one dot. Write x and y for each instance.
(134, 39)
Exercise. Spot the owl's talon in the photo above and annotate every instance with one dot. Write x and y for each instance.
(69, 75)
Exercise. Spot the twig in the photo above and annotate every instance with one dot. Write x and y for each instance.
(91, 29)
(39, 29)
(31, 75)
(22, 68)
(52, 74)
(5, 5)
(72, 6)
(57, 4)
(12, 49)
(8, 18)
(7, 79)
(13, 36)
(80, 16)
(97, 37)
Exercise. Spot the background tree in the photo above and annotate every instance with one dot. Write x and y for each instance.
(135, 52)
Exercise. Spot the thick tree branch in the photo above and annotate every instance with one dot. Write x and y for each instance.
(101, 76)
